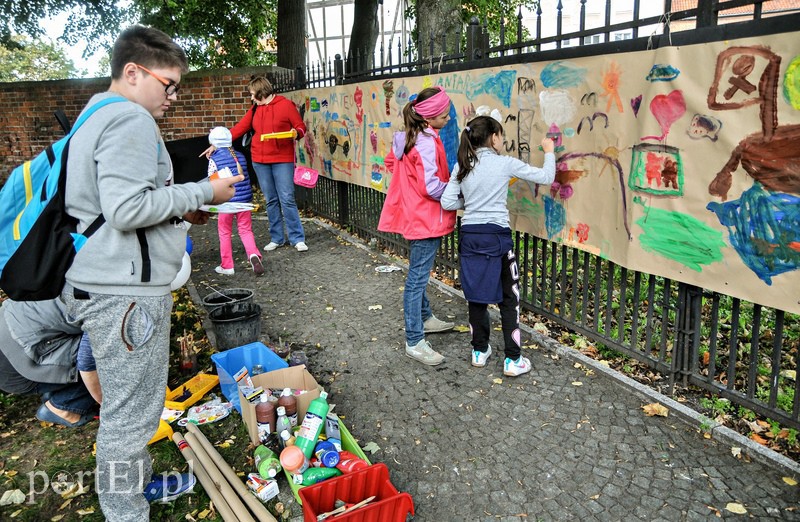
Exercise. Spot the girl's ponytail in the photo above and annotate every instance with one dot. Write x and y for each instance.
(476, 134)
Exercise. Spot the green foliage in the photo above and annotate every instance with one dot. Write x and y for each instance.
(33, 60)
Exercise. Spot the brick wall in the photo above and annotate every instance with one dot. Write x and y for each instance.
(27, 125)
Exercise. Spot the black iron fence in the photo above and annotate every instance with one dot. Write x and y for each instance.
(744, 354)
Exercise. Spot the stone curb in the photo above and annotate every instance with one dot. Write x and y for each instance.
(682, 412)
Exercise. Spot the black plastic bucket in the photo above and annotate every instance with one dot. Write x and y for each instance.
(236, 324)
(227, 296)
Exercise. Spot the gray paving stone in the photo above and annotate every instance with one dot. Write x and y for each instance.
(534, 445)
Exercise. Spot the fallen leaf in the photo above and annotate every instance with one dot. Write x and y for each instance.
(11, 473)
(758, 438)
(595, 497)
(329, 308)
(203, 514)
(12, 496)
(461, 328)
(706, 358)
(65, 504)
(84, 512)
(371, 447)
(497, 380)
(56, 518)
(789, 374)
(735, 507)
(736, 452)
(790, 481)
(577, 383)
(15, 513)
(375, 307)
(654, 409)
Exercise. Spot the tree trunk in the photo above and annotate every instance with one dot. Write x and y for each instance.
(291, 34)
(363, 35)
(438, 19)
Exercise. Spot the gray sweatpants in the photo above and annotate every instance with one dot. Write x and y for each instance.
(130, 343)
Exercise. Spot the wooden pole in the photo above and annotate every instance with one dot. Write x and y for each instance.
(202, 475)
(255, 505)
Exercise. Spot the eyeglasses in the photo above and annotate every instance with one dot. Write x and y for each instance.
(170, 87)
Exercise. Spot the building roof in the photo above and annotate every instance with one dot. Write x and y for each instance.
(770, 6)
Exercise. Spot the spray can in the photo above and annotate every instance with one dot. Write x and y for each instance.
(267, 462)
(313, 423)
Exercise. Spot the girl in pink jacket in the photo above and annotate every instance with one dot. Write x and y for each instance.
(420, 173)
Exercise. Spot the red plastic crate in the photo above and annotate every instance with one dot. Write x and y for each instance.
(388, 506)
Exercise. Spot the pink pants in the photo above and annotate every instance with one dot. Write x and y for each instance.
(244, 222)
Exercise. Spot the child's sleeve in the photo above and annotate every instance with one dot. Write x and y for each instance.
(450, 197)
(543, 176)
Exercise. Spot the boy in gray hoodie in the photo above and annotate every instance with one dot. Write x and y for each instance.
(119, 284)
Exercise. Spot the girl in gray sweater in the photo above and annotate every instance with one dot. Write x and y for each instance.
(489, 271)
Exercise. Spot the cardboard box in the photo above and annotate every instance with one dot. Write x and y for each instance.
(295, 377)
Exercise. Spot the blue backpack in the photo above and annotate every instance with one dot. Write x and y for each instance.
(38, 239)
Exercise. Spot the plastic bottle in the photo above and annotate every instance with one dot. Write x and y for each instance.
(314, 475)
(312, 425)
(282, 422)
(293, 460)
(349, 462)
(289, 403)
(267, 462)
(287, 439)
(265, 417)
(327, 454)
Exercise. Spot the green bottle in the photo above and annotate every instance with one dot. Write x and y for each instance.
(314, 475)
(312, 426)
(267, 463)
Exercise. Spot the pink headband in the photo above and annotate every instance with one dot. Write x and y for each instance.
(433, 106)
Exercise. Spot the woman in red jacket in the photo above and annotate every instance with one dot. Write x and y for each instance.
(273, 160)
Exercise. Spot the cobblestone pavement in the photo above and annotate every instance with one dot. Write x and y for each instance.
(469, 444)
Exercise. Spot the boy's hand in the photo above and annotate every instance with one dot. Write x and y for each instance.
(548, 145)
(224, 189)
(208, 152)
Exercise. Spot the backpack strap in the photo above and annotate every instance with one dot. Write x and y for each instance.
(92, 109)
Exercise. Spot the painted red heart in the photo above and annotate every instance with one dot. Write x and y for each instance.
(667, 109)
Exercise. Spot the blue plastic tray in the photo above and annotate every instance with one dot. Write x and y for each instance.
(231, 361)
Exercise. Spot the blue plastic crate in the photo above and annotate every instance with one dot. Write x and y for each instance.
(231, 361)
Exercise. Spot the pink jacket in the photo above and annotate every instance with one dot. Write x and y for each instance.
(412, 206)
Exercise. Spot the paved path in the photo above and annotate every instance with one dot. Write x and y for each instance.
(563, 443)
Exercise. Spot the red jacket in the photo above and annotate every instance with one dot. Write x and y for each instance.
(279, 115)
(418, 179)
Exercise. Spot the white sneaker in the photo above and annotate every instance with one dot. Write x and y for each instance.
(271, 246)
(423, 352)
(223, 271)
(301, 246)
(433, 325)
(513, 368)
(479, 358)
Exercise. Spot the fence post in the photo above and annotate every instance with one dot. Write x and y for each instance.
(706, 13)
(343, 193)
(338, 70)
(688, 320)
(474, 39)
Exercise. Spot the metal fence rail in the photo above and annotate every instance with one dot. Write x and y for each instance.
(684, 333)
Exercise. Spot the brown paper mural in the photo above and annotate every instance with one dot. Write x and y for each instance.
(682, 162)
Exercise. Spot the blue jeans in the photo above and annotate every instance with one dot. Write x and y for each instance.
(277, 183)
(70, 396)
(416, 307)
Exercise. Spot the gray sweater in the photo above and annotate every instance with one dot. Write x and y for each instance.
(485, 189)
(39, 341)
(118, 166)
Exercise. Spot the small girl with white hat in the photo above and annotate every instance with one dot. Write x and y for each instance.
(226, 161)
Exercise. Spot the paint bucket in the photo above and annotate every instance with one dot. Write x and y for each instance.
(236, 324)
(225, 296)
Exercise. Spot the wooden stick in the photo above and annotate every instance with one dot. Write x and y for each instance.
(220, 484)
(255, 505)
(202, 475)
